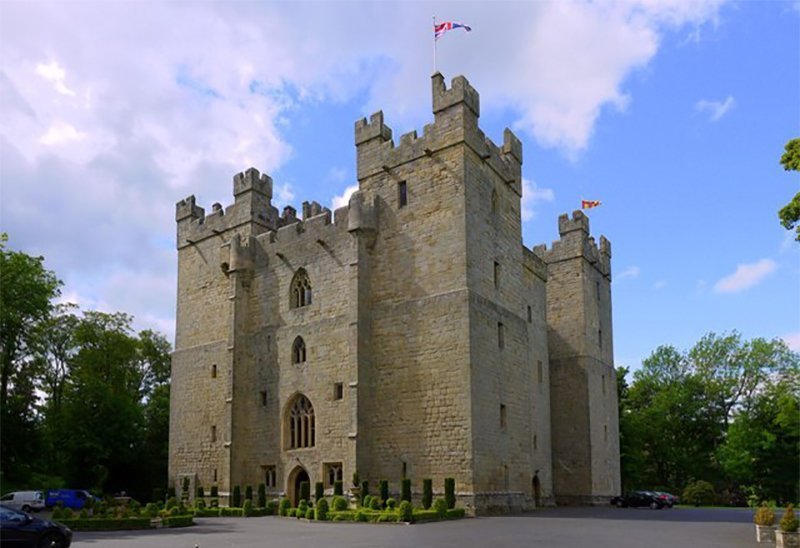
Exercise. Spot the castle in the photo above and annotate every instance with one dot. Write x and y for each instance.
(408, 334)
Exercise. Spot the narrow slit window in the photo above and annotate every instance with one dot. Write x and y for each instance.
(540, 371)
(604, 385)
(503, 417)
(600, 337)
(535, 442)
(263, 394)
(213, 433)
(496, 274)
(338, 391)
(501, 336)
(402, 194)
(530, 314)
(214, 371)
(270, 477)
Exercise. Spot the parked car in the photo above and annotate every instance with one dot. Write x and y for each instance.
(639, 498)
(69, 498)
(27, 501)
(669, 499)
(25, 531)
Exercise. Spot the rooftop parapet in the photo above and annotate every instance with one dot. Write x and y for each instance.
(252, 180)
(375, 128)
(460, 92)
(575, 242)
(188, 209)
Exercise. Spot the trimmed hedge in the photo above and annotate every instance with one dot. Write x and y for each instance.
(231, 512)
(427, 493)
(207, 512)
(405, 489)
(456, 513)
(450, 492)
(426, 515)
(106, 524)
(178, 521)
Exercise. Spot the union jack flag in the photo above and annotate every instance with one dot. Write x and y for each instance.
(589, 204)
(440, 28)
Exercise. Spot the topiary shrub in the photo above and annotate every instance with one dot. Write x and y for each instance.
(764, 516)
(310, 513)
(361, 515)
(214, 491)
(338, 489)
(339, 504)
(305, 490)
(248, 493)
(355, 479)
(375, 503)
(302, 506)
(789, 523)
(406, 511)
(450, 492)
(427, 493)
(383, 489)
(172, 502)
(200, 492)
(214, 503)
(151, 510)
(236, 500)
(440, 507)
(262, 495)
(319, 491)
(390, 504)
(365, 502)
(364, 489)
(200, 504)
(322, 510)
(405, 489)
(271, 508)
(283, 507)
(699, 492)
(247, 508)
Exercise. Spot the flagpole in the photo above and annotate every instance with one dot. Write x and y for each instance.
(434, 44)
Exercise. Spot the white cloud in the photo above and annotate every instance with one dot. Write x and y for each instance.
(150, 105)
(660, 284)
(745, 276)
(532, 195)
(55, 74)
(630, 272)
(343, 199)
(60, 133)
(793, 340)
(715, 109)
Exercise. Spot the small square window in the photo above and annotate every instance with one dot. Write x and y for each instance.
(502, 415)
(338, 391)
(402, 194)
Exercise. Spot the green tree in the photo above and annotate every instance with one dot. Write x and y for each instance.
(26, 291)
(790, 213)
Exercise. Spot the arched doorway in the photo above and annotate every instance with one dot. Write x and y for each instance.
(537, 490)
(298, 476)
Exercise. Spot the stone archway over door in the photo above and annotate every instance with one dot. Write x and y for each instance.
(297, 476)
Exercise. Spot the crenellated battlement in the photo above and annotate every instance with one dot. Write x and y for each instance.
(460, 92)
(576, 241)
(456, 112)
(251, 180)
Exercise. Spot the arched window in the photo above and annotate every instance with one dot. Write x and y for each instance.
(300, 291)
(298, 350)
(301, 431)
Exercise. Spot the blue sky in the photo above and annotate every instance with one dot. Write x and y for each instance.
(673, 113)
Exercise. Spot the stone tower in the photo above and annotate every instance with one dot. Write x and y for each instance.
(583, 387)
(407, 334)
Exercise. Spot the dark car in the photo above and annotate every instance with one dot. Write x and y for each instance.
(639, 498)
(18, 529)
(669, 499)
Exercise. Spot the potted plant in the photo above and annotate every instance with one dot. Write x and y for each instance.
(787, 536)
(765, 523)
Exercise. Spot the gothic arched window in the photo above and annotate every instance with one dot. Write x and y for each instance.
(298, 350)
(300, 290)
(301, 431)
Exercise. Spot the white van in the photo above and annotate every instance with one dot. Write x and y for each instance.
(27, 501)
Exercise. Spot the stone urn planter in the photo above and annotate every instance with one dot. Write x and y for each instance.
(787, 540)
(765, 533)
